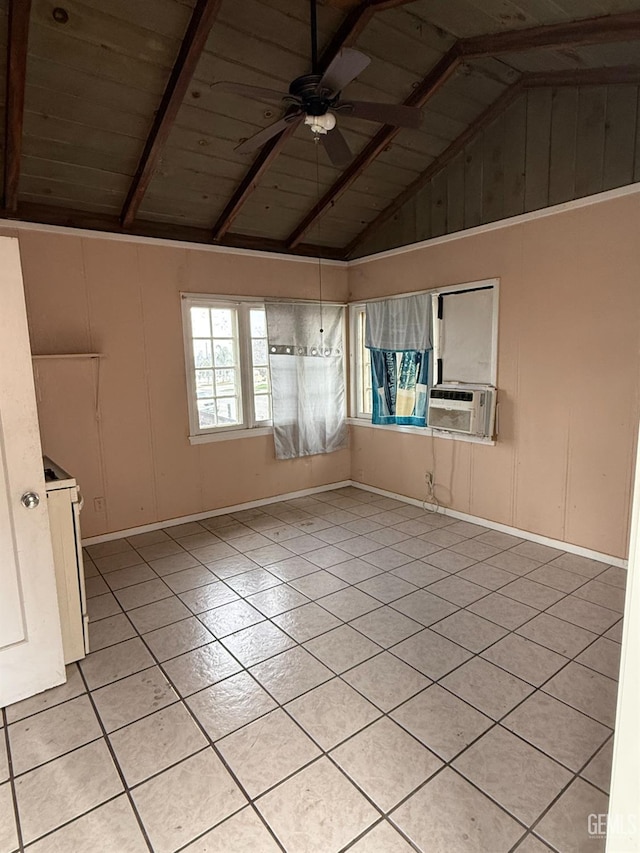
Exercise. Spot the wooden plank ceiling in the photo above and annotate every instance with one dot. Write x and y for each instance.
(112, 121)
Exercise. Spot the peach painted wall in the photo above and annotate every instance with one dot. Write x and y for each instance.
(568, 370)
(122, 428)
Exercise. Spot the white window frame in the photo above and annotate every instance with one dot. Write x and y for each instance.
(248, 426)
(357, 309)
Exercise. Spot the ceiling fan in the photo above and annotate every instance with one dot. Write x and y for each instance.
(316, 100)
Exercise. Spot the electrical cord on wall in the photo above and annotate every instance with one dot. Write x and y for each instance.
(430, 502)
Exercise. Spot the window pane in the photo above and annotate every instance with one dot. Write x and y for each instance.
(262, 405)
(222, 322)
(207, 413)
(261, 380)
(204, 383)
(258, 323)
(224, 353)
(227, 411)
(200, 327)
(260, 355)
(225, 383)
(202, 353)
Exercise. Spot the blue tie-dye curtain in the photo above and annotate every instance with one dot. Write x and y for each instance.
(398, 335)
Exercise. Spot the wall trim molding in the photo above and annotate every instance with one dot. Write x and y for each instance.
(463, 516)
(553, 210)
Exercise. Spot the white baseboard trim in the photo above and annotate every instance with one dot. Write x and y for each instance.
(463, 516)
(505, 528)
(199, 516)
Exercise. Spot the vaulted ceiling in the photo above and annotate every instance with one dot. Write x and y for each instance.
(112, 121)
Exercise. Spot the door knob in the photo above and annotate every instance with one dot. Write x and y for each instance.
(30, 500)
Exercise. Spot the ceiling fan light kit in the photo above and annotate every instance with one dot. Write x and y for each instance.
(315, 98)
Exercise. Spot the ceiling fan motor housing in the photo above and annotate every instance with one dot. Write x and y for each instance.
(314, 103)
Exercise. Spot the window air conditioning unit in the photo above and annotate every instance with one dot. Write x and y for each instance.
(466, 409)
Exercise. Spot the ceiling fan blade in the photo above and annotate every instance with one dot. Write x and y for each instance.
(258, 139)
(395, 114)
(345, 67)
(250, 91)
(336, 147)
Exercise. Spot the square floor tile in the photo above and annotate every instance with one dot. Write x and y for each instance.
(173, 563)
(349, 603)
(557, 635)
(277, 600)
(431, 654)
(603, 594)
(65, 788)
(580, 565)
(566, 824)
(109, 631)
(419, 573)
(151, 537)
(112, 826)
(159, 549)
(424, 607)
(199, 787)
(503, 611)
(73, 686)
(231, 617)
(317, 803)
(386, 762)
(388, 536)
(450, 561)
(200, 668)
(603, 656)
(488, 688)
(306, 622)
(527, 660)
(142, 593)
(230, 704)
(387, 587)
(383, 838)
(450, 814)
(360, 545)
(386, 681)
(443, 537)
(97, 585)
(290, 673)
(318, 584)
(8, 829)
(388, 558)
(207, 597)
(271, 554)
(487, 576)
(327, 556)
(535, 551)
(598, 770)
(156, 742)
(413, 547)
(355, 570)
(443, 723)
(102, 606)
(514, 563)
(386, 626)
(587, 615)
(251, 541)
(469, 630)
(257, 643)
(534, 594)
(332, 712)
(188, 528)
(615, 576)
(303, 544)
(227, 567)
(476, 549)
(51, 733)
(519, 777)
(244, 831)
(342, 648)
(174, 640)
(615, 632)
(557, 578)
(158, 614)
(587, 691)
(211, 553)
(189, 579)
(134, 697)
(104, 549)
(100, 668)
(266, 751)
(559, 731)
(292, 568)
(121, 560)
(457, 590)
(253, 581)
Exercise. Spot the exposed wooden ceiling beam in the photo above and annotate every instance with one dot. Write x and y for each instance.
(602, 30)
(18, 36)
(346, 35)
(577, 77)
(434, 81)
(69, 218)
(610, 28)
(191, 49)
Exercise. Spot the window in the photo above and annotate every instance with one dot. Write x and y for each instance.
(227, 365)
(464, 335)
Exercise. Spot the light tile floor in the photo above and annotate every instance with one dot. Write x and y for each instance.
(337, 672)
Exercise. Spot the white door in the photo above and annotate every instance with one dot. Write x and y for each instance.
(30, 639)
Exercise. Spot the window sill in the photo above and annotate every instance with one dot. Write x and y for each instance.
(471, 439)
(230, 435)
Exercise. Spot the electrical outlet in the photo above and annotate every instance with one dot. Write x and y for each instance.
(99, 504)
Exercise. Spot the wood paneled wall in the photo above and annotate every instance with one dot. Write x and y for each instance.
(549, 146)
